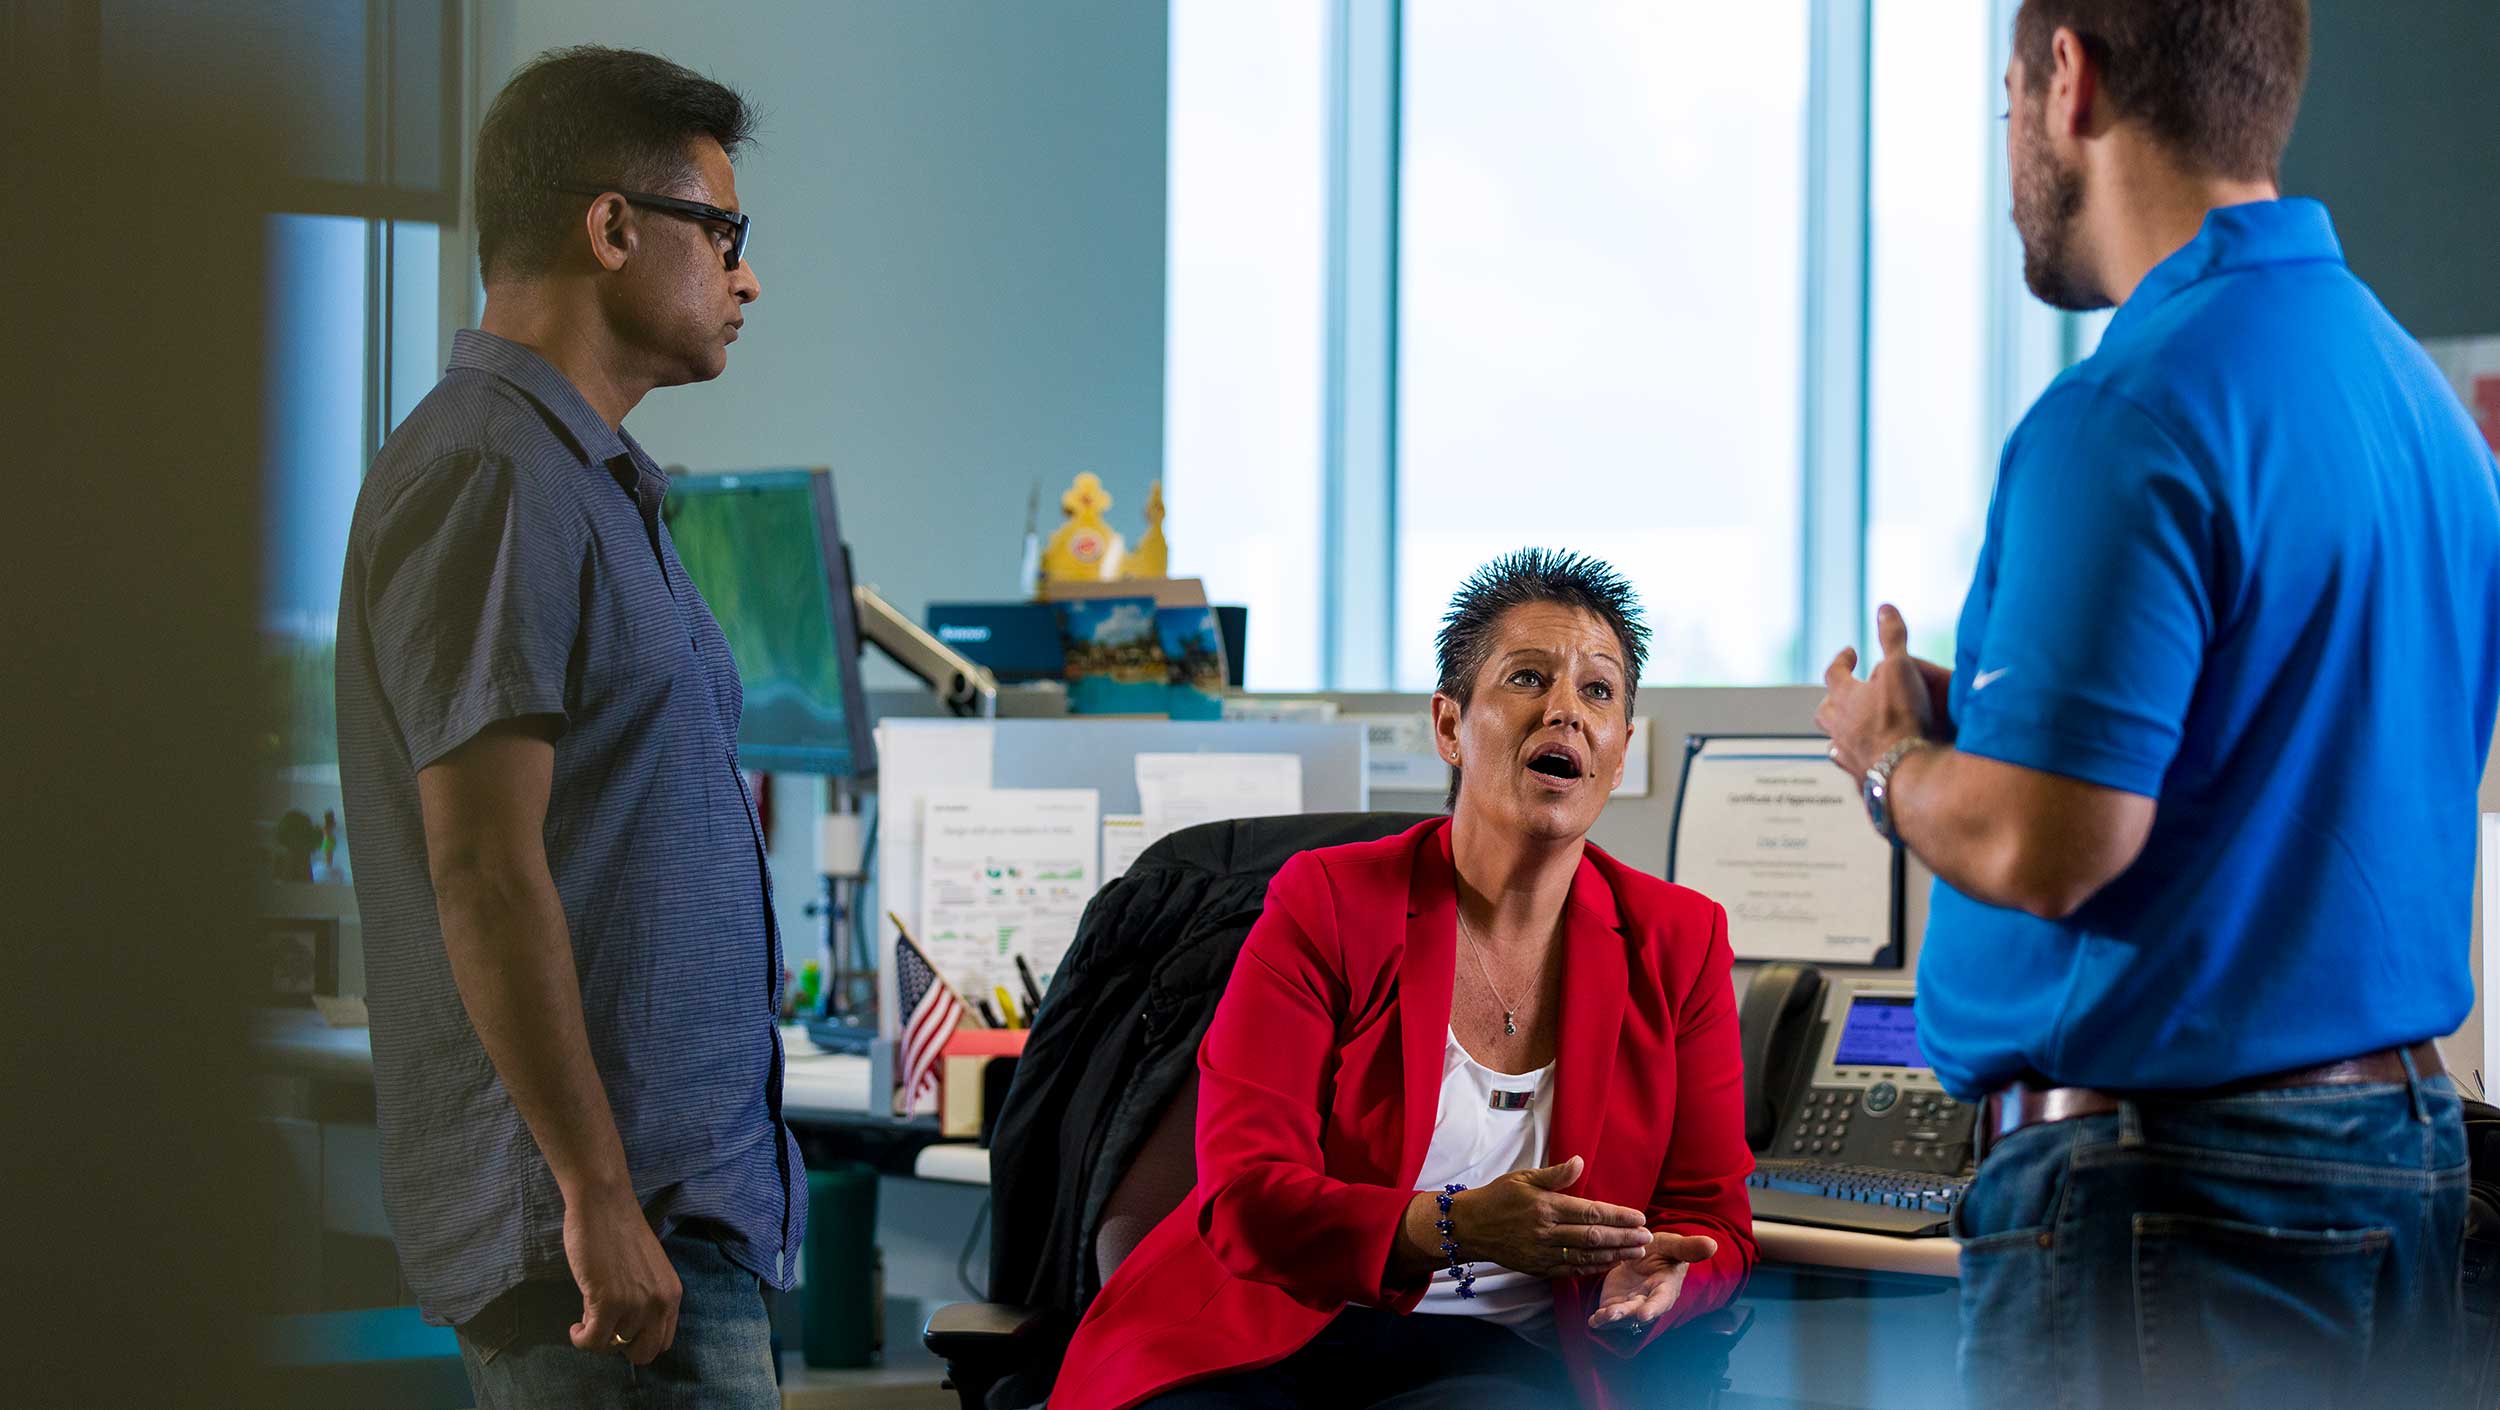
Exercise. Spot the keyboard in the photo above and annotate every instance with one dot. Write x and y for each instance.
(1863, 1199)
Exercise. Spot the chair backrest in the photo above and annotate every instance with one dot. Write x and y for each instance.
(1095, 1142)
(1155, 1183)
(1165, 1168)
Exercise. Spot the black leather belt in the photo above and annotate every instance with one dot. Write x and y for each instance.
(2010, 1109)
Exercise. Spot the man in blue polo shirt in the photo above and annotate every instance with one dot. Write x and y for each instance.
(2199, 790)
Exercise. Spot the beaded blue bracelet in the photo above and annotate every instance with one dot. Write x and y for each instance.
(1449, 1241)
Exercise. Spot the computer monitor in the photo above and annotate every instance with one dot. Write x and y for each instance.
(765, 550)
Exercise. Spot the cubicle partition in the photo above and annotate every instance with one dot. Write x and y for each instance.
(1636, 829)
(1098, 754)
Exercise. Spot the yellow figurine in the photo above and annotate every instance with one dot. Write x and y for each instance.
(1153, 557)
(1085, 550)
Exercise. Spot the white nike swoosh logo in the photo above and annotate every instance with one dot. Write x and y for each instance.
(1986, 679)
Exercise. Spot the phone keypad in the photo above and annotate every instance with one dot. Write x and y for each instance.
(1822, 1125)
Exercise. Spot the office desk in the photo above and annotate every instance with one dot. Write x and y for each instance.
(1808, 1247)
(1842, 1319)
(832, 1088)
(821, 1086)
(295, 1042)
(1797, 1244)
(953, 1162)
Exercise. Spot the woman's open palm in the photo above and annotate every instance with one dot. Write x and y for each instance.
(1640, 1292)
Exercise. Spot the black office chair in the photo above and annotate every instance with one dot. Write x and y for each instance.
(1129, 1006)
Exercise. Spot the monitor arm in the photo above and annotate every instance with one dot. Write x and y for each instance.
(963, 686)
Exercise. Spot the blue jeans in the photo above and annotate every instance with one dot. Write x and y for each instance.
(520, 1355)
(2277, 1250)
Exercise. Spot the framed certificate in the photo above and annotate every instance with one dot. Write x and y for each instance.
(1765, 826)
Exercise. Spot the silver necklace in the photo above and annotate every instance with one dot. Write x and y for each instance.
(1475, 947)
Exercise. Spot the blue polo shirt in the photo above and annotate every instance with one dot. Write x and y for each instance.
(2245, 561)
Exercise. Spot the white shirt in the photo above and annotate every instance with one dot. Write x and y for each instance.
(1473, 1143)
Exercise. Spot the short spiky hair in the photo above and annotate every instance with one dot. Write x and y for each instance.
(1535, 575)
(588, 114)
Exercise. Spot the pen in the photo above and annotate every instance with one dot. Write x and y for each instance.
(1007, 1006)
(1032, 991)
(989, 1016)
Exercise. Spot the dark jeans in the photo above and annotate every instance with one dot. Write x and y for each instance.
(2275, 1250)
(520, 1355)
(1369, 1358)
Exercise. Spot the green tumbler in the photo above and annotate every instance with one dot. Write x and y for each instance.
(841, 1313)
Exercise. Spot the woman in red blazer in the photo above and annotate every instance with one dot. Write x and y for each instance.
(1484, 1010)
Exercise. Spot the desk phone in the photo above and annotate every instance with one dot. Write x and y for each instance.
(1866, 1138)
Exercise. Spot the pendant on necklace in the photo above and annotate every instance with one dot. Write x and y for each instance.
(1507, 1025)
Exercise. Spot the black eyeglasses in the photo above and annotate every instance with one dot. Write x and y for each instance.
(737, 221)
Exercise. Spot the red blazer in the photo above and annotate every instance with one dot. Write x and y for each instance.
(1319, 1081)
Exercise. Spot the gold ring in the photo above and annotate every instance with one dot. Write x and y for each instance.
(619, 1339)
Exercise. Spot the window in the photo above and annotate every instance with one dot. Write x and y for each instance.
(353, 281)
(1727, 295)
(1599, 266)
(352, 330)
(1931, 444)
(1244, 318)
(414, 261)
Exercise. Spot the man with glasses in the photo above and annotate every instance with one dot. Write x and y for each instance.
(570, 949)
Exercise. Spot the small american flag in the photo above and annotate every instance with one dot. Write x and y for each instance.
(930, 1013)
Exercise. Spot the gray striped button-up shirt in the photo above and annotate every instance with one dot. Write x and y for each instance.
(507, 559)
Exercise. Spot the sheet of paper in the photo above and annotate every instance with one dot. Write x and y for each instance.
(1770, 830)
(1123, 838)
(1183, 790)
(915, 757)
(1291, 712)
(1636, 762)
(1399, 756)
(1004, 872)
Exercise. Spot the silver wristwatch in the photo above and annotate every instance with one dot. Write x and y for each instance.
(1876, 787)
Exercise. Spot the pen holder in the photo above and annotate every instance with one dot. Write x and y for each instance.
(974, 1069)
(974, 1087)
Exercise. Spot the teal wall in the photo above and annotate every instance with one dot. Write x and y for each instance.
(2399, 137)
(959, 230)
